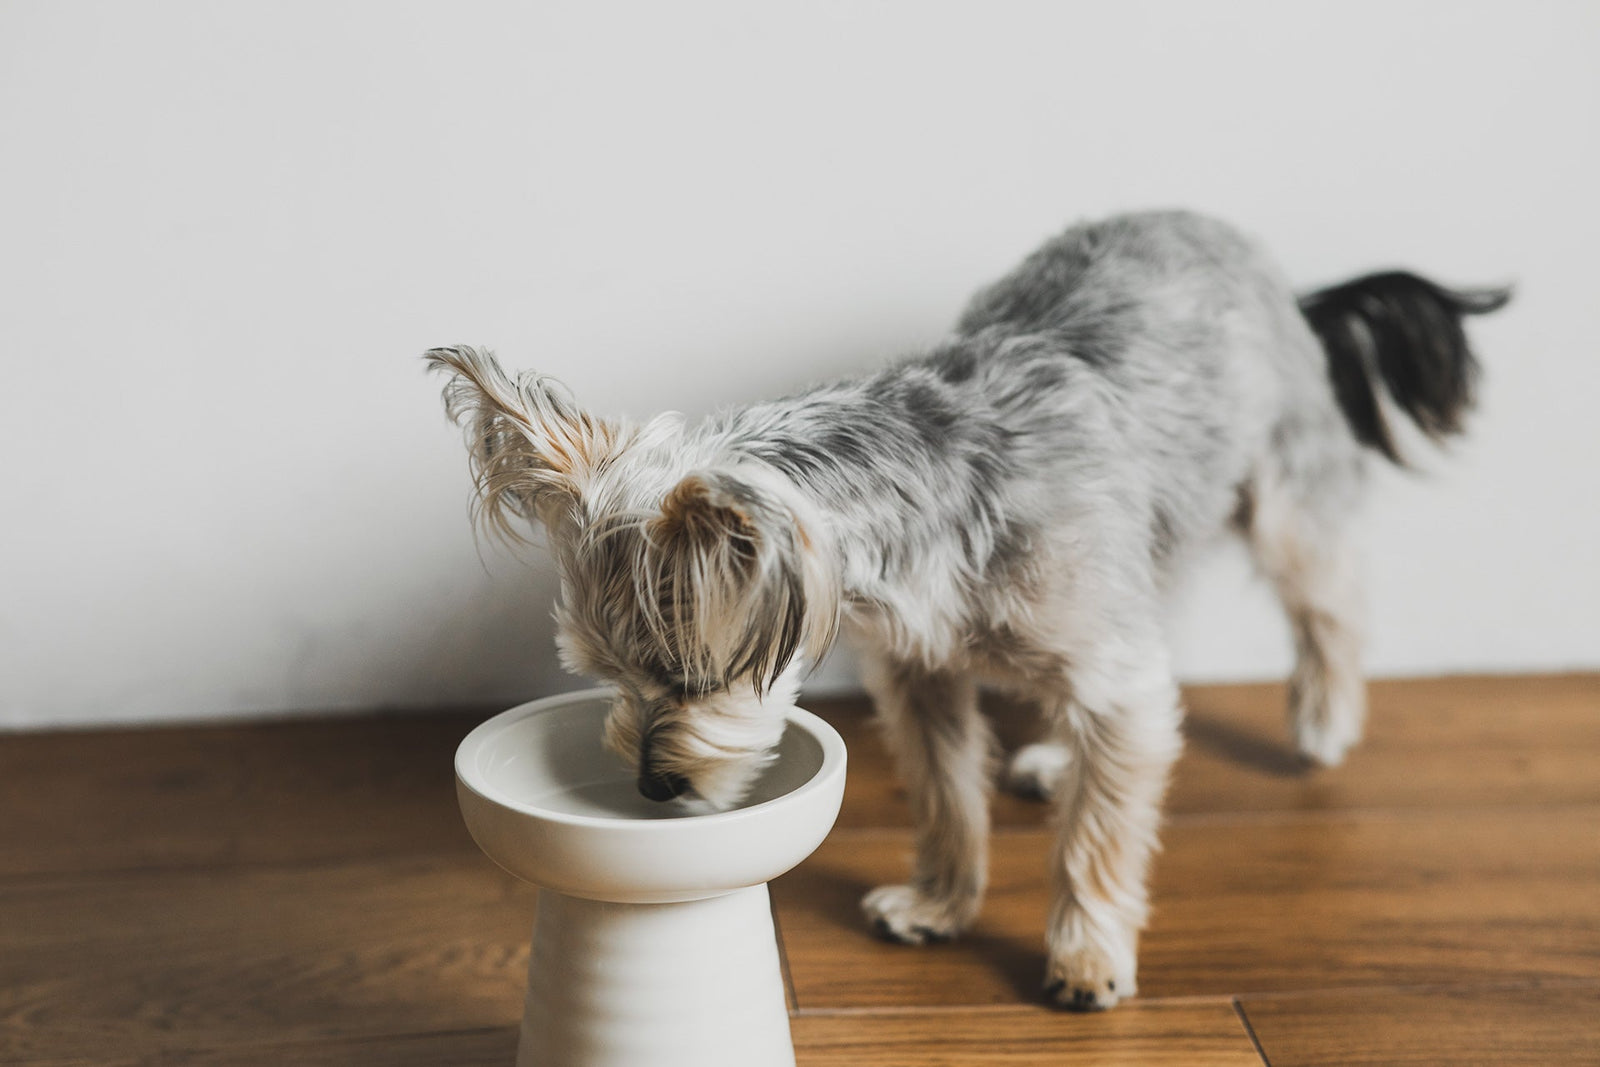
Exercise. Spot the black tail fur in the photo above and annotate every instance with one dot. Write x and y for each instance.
(1405, 332)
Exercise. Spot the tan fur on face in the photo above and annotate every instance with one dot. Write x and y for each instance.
(721, 580)
(696, 588)
(720, 743)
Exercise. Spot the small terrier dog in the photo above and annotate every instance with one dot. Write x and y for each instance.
(1007, 508)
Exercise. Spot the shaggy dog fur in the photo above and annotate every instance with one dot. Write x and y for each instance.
(1007, 508)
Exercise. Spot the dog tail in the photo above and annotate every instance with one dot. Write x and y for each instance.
(1403, 332)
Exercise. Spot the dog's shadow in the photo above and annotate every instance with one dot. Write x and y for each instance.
(1243, 746)
(1021, 966)
(825, 903)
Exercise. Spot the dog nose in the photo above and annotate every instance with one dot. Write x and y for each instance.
(662, 786)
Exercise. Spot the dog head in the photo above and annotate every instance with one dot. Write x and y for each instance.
(692, 579)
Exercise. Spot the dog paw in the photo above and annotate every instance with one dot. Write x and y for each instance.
(1326, 721)
(1322, 750)
(1323, 740)
(900, 913)
(1036, 771)
(1090, 977)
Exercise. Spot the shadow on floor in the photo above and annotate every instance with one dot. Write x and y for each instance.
(1243, 746)
(824, 897)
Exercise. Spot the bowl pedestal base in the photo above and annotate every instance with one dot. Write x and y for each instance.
(696, 983)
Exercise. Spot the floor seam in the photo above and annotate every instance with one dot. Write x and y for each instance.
(1142, 1003)
(1467, 985)
(1286, 815)
(1238, 1009)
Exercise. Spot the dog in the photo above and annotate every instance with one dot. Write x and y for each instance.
(1007, 509)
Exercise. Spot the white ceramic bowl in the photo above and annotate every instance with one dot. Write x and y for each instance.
(549, 803)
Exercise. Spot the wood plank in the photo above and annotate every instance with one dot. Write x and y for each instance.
(1281, 903)
(1184, 1035)
(1460, 742)
(1147, 1035)
(152, 963)
(333, 789)
(470, 1048)
(1529, 1027)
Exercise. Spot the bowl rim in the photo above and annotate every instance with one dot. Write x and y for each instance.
(834, 758)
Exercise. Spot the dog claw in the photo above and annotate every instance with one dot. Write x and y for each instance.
(900, 914)
(1072, 995)
(1077, 999)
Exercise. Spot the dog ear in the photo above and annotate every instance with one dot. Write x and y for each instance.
(712, 512)
(530, 446)
(733, 581)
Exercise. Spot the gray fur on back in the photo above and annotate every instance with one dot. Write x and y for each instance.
(1118, 388)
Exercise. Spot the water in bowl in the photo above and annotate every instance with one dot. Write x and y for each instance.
(556, 763)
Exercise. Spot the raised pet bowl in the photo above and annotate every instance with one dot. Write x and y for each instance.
(653, 943)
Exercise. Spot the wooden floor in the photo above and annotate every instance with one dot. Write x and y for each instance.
(303, 892)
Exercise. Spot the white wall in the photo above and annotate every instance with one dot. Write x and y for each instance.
(227, 231)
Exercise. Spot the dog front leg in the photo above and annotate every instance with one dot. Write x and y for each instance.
(1123, 743)
(941, 745)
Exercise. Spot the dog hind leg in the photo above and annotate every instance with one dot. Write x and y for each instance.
(1306, 552)
(1038, 771)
